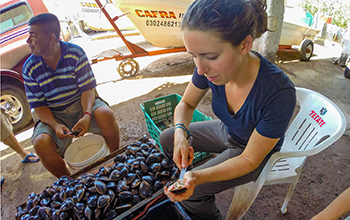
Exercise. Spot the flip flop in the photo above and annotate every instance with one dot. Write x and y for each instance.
(27, 160)
(2, 180)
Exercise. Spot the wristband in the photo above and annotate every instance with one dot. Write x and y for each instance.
(183, 127)
(87, 113)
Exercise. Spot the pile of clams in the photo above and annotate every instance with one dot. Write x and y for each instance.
(135, 175)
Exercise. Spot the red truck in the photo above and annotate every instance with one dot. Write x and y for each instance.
(14, 51)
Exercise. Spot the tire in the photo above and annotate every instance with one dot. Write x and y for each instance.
(14, 99)
(306, 50)
(128, 67)
(347, 72)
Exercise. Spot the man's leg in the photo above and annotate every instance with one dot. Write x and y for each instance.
(45, 147)
(105, 120)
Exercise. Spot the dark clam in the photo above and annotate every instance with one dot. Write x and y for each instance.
(166, 163)
(144, 167)
(56, 215)
(152, 158)
(124, 171)
(64, 216)
(102, 201)
(70, 191)
(134, 150)
(80, 194)
(31, 196)
(115, 175)
(55, 205)
(47, 193)
(122, 186)
(45, 212)
(111, 185)
(101, 187)
(68, 204)
(135, 183)
(144, 146)
(79, 209)
(97, 213)
(135, 164)
(34, 210)
(149, 179)
(158, 185)
(130, 178)
(155, 167)
(111, 214)
(30, 204)
(145, 190)
(136, 199)
(45, 201)
(92, 201)
(88, 213)
(126, 196)
(57, 197)
(103, 171)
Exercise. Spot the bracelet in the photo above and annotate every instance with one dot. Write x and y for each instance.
(87, 113)
(182, 126)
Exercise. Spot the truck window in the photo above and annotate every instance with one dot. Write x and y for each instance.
(14, 16)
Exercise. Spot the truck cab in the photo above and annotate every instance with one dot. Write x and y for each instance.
(14, 51)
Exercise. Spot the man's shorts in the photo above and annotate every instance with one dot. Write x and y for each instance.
(69, 117)
(6, 127)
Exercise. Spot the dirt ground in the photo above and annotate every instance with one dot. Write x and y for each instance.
(324, 176)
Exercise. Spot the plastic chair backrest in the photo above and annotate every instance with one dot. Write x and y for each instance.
(318, 124)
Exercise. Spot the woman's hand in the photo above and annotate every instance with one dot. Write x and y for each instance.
(189, 181)
(183, 153)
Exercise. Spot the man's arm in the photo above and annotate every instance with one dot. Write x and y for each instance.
(87, 102)
(45, 115)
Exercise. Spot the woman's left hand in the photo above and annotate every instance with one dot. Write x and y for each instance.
(189, 181)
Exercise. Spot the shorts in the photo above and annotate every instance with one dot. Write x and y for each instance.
(6, 127)
(69, 117)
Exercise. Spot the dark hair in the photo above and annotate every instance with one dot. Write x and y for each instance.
(50, 23)
(232, 20)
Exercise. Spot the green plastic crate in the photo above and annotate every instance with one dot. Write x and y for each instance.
(159, 115)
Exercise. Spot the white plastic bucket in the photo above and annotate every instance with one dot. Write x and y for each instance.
(85, 151)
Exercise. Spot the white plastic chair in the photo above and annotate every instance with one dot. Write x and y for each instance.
(318, 124)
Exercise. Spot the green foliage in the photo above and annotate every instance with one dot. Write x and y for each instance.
(337, 9)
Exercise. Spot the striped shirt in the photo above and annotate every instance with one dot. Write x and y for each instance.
(58, 88)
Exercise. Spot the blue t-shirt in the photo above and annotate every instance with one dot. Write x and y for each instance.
(268, 107)
(58, 88)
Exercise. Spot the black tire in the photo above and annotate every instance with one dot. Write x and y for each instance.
(14, 99)
(347, 72)
(306, 50)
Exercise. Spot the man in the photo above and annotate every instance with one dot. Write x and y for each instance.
(59, 85)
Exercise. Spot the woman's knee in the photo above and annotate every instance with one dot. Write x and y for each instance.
(166, 139)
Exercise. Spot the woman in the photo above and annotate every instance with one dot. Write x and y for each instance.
(252, 98)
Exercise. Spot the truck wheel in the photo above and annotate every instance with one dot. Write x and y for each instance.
(14, 100)
(128, 67)
(306, 50)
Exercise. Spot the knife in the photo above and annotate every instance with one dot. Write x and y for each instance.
(183, 170)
